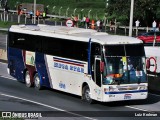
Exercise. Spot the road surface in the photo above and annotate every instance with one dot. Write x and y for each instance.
(15, 96)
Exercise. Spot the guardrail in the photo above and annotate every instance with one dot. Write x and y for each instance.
(10, 16)
(48, 15)
(3, 55)
(3, 29)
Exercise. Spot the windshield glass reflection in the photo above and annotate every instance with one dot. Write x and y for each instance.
(122, 66)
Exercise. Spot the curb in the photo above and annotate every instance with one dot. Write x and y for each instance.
(4, 29)
(4, 61)
(3, 55)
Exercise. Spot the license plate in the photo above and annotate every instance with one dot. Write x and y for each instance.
(127, 96)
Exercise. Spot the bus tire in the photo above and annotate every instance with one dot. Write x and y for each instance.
(86, 95)
(37, 83)
(27, 79)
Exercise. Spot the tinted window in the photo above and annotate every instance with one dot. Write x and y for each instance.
(158, 33)
(135, 50)
(125, 50)
(95, 50)
(52, 46)
(65, 48)
(115, 50)
(25, 41)
(150, 33)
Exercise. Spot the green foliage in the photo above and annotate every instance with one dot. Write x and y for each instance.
(113, 16)
(90, 5)
(6, 24)
(145, 10)
(122, 19)
(158, 13)
(97, 6)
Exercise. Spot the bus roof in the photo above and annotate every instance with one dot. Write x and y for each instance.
(73, 33)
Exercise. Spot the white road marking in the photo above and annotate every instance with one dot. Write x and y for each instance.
(16, 80)
(2, 63)
(137, 108)
(8, 77)
(71, 112)
(45, 105)
(140, 108)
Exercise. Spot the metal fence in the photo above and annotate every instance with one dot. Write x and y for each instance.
(12, 16)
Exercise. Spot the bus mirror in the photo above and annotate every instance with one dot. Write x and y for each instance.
(101, 66)
(148, 64)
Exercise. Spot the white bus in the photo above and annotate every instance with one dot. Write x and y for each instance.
(153, 67)
(90, 64)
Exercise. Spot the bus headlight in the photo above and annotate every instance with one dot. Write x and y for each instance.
(106, 90)
(142, 88)
(110, 89)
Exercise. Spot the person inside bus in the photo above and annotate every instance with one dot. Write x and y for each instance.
(134, 73)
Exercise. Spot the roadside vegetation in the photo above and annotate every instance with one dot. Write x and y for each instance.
(144, 10)
(81, 7)
(6, 24)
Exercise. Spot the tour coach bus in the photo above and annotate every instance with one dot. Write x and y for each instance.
(90, 64)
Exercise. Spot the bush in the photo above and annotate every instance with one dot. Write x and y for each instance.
(123, 19)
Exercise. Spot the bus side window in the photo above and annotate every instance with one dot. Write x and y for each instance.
(80, 51)
(95, 50)
(19, 41)
(51, 46)
(22, 41)
(38, 44)
(11, 39)
(98, 73)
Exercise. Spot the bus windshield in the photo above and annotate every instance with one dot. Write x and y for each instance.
(124, 64)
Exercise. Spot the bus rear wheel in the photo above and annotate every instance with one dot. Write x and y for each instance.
(27, 79)
(86, 95)
(37, 83)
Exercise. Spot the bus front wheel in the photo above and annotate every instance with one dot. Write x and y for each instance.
(27, 79)
(37, 83)
(86, 96)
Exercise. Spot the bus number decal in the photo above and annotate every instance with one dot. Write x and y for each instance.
(127, 96)
(61, 85)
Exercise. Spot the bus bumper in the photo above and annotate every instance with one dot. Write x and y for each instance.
(123, 96)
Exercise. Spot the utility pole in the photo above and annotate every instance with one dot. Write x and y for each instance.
(131, 18)
(34, 11)
(105, 16)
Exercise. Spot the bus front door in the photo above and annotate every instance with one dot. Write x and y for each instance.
(97, 78)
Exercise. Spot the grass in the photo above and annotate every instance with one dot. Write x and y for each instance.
(6, 24)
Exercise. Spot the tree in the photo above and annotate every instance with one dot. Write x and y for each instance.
(144, 10)
(3, 3)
